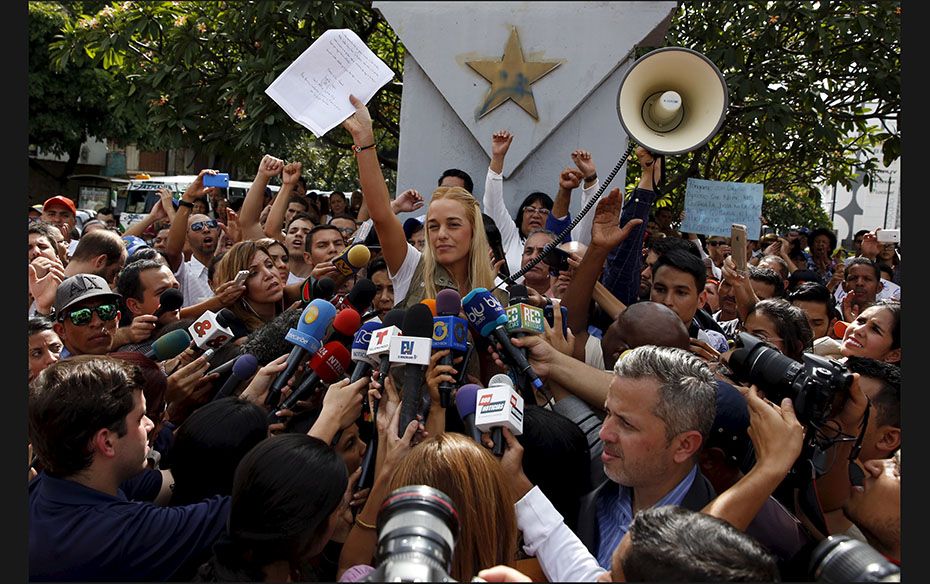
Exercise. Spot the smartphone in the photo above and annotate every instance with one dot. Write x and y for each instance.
(738, 246)
(242, 276)
(549, 314)
(557, 260)
(889, 236)
(220, 180)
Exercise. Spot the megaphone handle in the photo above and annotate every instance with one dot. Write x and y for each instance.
(512, 279)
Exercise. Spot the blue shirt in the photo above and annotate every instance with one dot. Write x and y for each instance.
(615, 513)
(80, 534)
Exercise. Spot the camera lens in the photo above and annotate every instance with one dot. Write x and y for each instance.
(764, 366)
(840, 558)
(417, 530)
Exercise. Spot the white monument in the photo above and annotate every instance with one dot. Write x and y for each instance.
(549, 72)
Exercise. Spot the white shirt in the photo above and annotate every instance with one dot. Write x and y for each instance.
(401, 280)
(193, 281)
(562, 556)
(889, 290)
(292, 279)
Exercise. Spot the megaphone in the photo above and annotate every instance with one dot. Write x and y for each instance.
(672, 100)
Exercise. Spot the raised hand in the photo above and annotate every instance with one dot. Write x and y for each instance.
(584, 162)
(570, 178)
(408, 201)
(605, 229)
(500, 143)
(359, 123)
(269, 166)
(777, 435)
(43, 289)
(291, 173)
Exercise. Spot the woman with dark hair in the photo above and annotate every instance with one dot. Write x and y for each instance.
(876, 333)
(823, 242)
(209, 445)
(264, 292)
(782, 325)
(531, 215)
(288, 493)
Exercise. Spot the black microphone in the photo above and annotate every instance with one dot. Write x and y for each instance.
(413, 349)
(244, 367)
(364, 363)
(322, 289)
(359, 297)
(268, 342)
(169, 300)
(228, 319)
(378, 348)
(328, 365)
(466, 403)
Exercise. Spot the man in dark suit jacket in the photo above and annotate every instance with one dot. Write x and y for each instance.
(660, 408)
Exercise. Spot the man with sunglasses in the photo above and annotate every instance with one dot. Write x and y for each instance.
(86, 313)
(202, 234)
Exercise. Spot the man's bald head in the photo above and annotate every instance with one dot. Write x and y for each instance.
(643, 323)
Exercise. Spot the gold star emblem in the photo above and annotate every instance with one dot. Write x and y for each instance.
(511, 77)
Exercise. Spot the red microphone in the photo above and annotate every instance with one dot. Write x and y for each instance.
(328, 365)
(345, 325)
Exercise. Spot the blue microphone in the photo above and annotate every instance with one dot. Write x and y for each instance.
(487, 315)
(363, 362)
(311, 328)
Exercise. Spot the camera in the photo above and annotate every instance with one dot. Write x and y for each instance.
(840, 558)
(817, 387)
(417, 530)
(557, 260)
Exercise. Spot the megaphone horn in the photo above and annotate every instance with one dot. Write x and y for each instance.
(672, 100)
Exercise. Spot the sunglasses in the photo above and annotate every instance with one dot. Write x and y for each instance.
(83, 316)
(211, 224)
(716, 243)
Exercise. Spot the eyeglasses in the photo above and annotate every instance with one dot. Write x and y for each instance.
(346, 230)
(211, 224)
(536, 210)
(83, 316)
(716, 243)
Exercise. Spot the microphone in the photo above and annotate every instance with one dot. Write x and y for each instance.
(449, 332)
(228, 365)
(169, 345)
(345, 325)
(466, 399)
(431, 304)
(352, 259)
(380, 345)
(244, 367)
(208, 332)
(364, 363)
(169, 301)
(487, 315)
(327, 365)
(499, 405)
(322, 289)
(313, 323)
(523, 319)
(413, 350)
(359, 297)
(228, 319)
(268, 342)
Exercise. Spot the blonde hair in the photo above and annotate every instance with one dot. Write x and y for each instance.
(475, 482)
(236, 258)
(480, 272)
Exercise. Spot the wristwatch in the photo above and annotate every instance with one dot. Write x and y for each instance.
(183, 203)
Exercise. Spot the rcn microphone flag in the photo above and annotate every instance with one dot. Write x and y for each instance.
(362, 340)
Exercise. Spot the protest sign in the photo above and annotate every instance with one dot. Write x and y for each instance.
(712, 207)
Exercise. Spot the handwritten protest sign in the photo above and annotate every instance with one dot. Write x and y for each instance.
(711, 207)
(314, 89)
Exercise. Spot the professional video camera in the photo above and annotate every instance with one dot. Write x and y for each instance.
(417, 530)
(840, 558)
(817, 387)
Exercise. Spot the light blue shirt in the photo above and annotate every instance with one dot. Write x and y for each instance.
(615, 513)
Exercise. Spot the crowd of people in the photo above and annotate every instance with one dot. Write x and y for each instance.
(696, 420)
